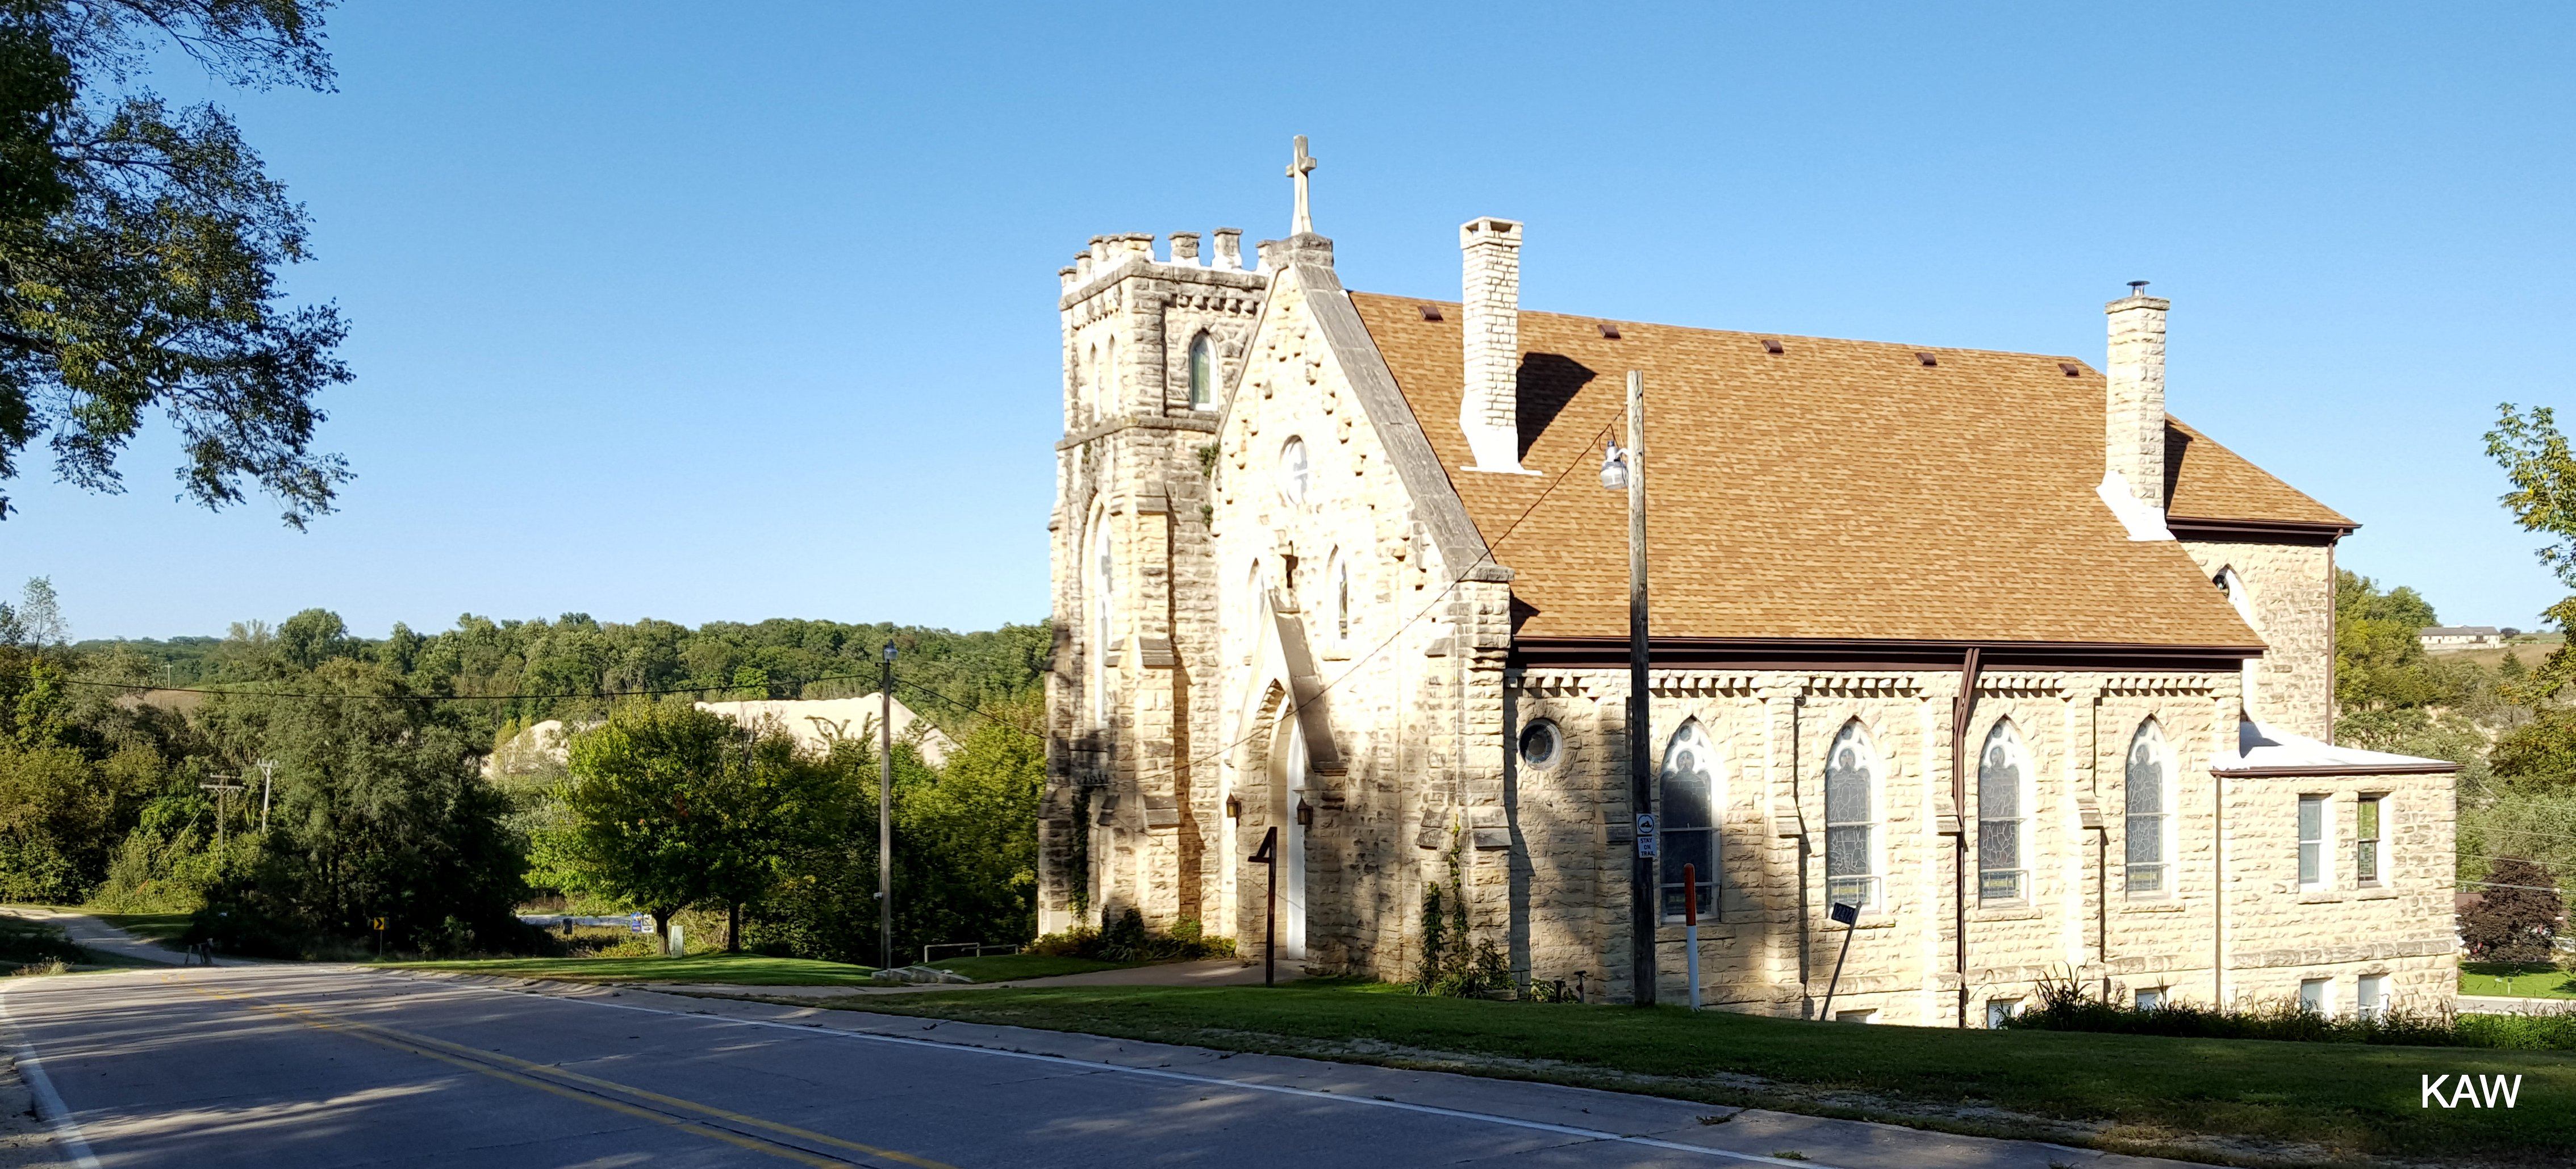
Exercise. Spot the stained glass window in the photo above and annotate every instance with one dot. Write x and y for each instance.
(1851, 805)
(2150, 766)
(1686, 826)
(2003, 772)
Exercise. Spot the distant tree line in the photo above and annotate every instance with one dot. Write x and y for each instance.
(376, 807)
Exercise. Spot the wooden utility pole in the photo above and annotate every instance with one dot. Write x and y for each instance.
(1644, 915)
(885, 817)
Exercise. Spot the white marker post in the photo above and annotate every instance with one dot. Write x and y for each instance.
(1690, 928)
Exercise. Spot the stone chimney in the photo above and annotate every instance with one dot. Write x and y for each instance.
(1489, 410)
(2134, 446)
(1229, 249)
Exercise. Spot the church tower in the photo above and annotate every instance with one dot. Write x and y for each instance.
(1151, 348)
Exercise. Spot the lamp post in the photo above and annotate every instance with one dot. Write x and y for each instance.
(1627, 470)
(885, 816)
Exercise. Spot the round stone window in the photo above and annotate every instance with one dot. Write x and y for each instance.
(1541, 743)
(1293, 471)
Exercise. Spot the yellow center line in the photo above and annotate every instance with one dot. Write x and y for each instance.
(545, 1078)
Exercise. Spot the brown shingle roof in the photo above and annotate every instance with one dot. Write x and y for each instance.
(2208, 481)
(1838, 489)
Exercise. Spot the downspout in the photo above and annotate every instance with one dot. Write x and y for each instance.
(1806, 989)
(2218, 890)
(1962, 709)
(2102, 850)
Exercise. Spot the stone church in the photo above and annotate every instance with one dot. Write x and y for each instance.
(1985, 644)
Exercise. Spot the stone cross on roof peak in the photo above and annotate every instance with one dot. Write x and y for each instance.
(1304, 224)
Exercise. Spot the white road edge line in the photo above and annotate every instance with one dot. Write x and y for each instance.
(1159, 1073)
(49, 1103)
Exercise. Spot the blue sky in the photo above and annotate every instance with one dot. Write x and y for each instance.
(731, 312)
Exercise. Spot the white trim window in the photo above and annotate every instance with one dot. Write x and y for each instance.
(2316, 996)
(1202, 372)
(2369, 830)
(2312, 842)
(1686, 821)
(2149, 829)
(1851, 819)
(2004, 780)
(2370, 996)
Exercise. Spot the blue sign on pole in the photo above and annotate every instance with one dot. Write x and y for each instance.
(1645, 834)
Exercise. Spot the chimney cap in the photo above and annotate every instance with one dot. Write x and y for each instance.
(2137, 288)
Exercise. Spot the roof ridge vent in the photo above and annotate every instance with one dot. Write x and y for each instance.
(1772, 345)
(1926, 358)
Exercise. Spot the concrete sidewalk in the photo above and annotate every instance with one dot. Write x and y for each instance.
(2496, 1004)
(1210, 972)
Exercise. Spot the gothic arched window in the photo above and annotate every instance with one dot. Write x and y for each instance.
(1686, 825)
(1851, 818)
(1202, 371)
(2003, 807)
(1103, 575)
(2150, 823)
(1339, 580)
(1294, 471)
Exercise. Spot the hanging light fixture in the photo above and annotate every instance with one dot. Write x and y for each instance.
(1614, 469)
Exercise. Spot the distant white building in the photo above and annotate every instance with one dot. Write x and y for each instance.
(2446, 637)
(814, 723)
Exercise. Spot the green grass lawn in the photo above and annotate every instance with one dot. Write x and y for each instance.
(2153, 1093)
(1007, 967)
(736, 969)
(2523, 979)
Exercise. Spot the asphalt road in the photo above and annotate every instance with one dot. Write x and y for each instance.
(287, 1067)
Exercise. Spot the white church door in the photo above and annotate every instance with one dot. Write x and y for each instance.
(1292, 842)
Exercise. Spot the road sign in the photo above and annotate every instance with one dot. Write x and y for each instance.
(1645, 834)
(375, 923)
(1846, 913)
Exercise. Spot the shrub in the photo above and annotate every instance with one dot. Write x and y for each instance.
(2516, 915)
(1127, 940)
(2064, 1006)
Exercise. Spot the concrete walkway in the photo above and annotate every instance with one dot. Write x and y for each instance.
(1212, 972)
(92, 934)
(2496, 1004)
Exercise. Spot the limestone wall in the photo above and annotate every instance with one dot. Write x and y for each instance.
(1770, 948)
(1126, 815)
(2292, 587)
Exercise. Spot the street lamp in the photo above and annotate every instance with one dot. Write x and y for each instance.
(1625, 470)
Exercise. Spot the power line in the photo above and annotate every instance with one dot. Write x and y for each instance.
(1457, 579)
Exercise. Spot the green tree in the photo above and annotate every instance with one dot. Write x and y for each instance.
(139, 251)
(670, 806)
(966, 843)
(2542, 470)
(379, 812)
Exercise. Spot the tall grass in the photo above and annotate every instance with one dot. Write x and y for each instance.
(2064, 1006)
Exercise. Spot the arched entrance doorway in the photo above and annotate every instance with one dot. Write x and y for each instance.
(1289, 769)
